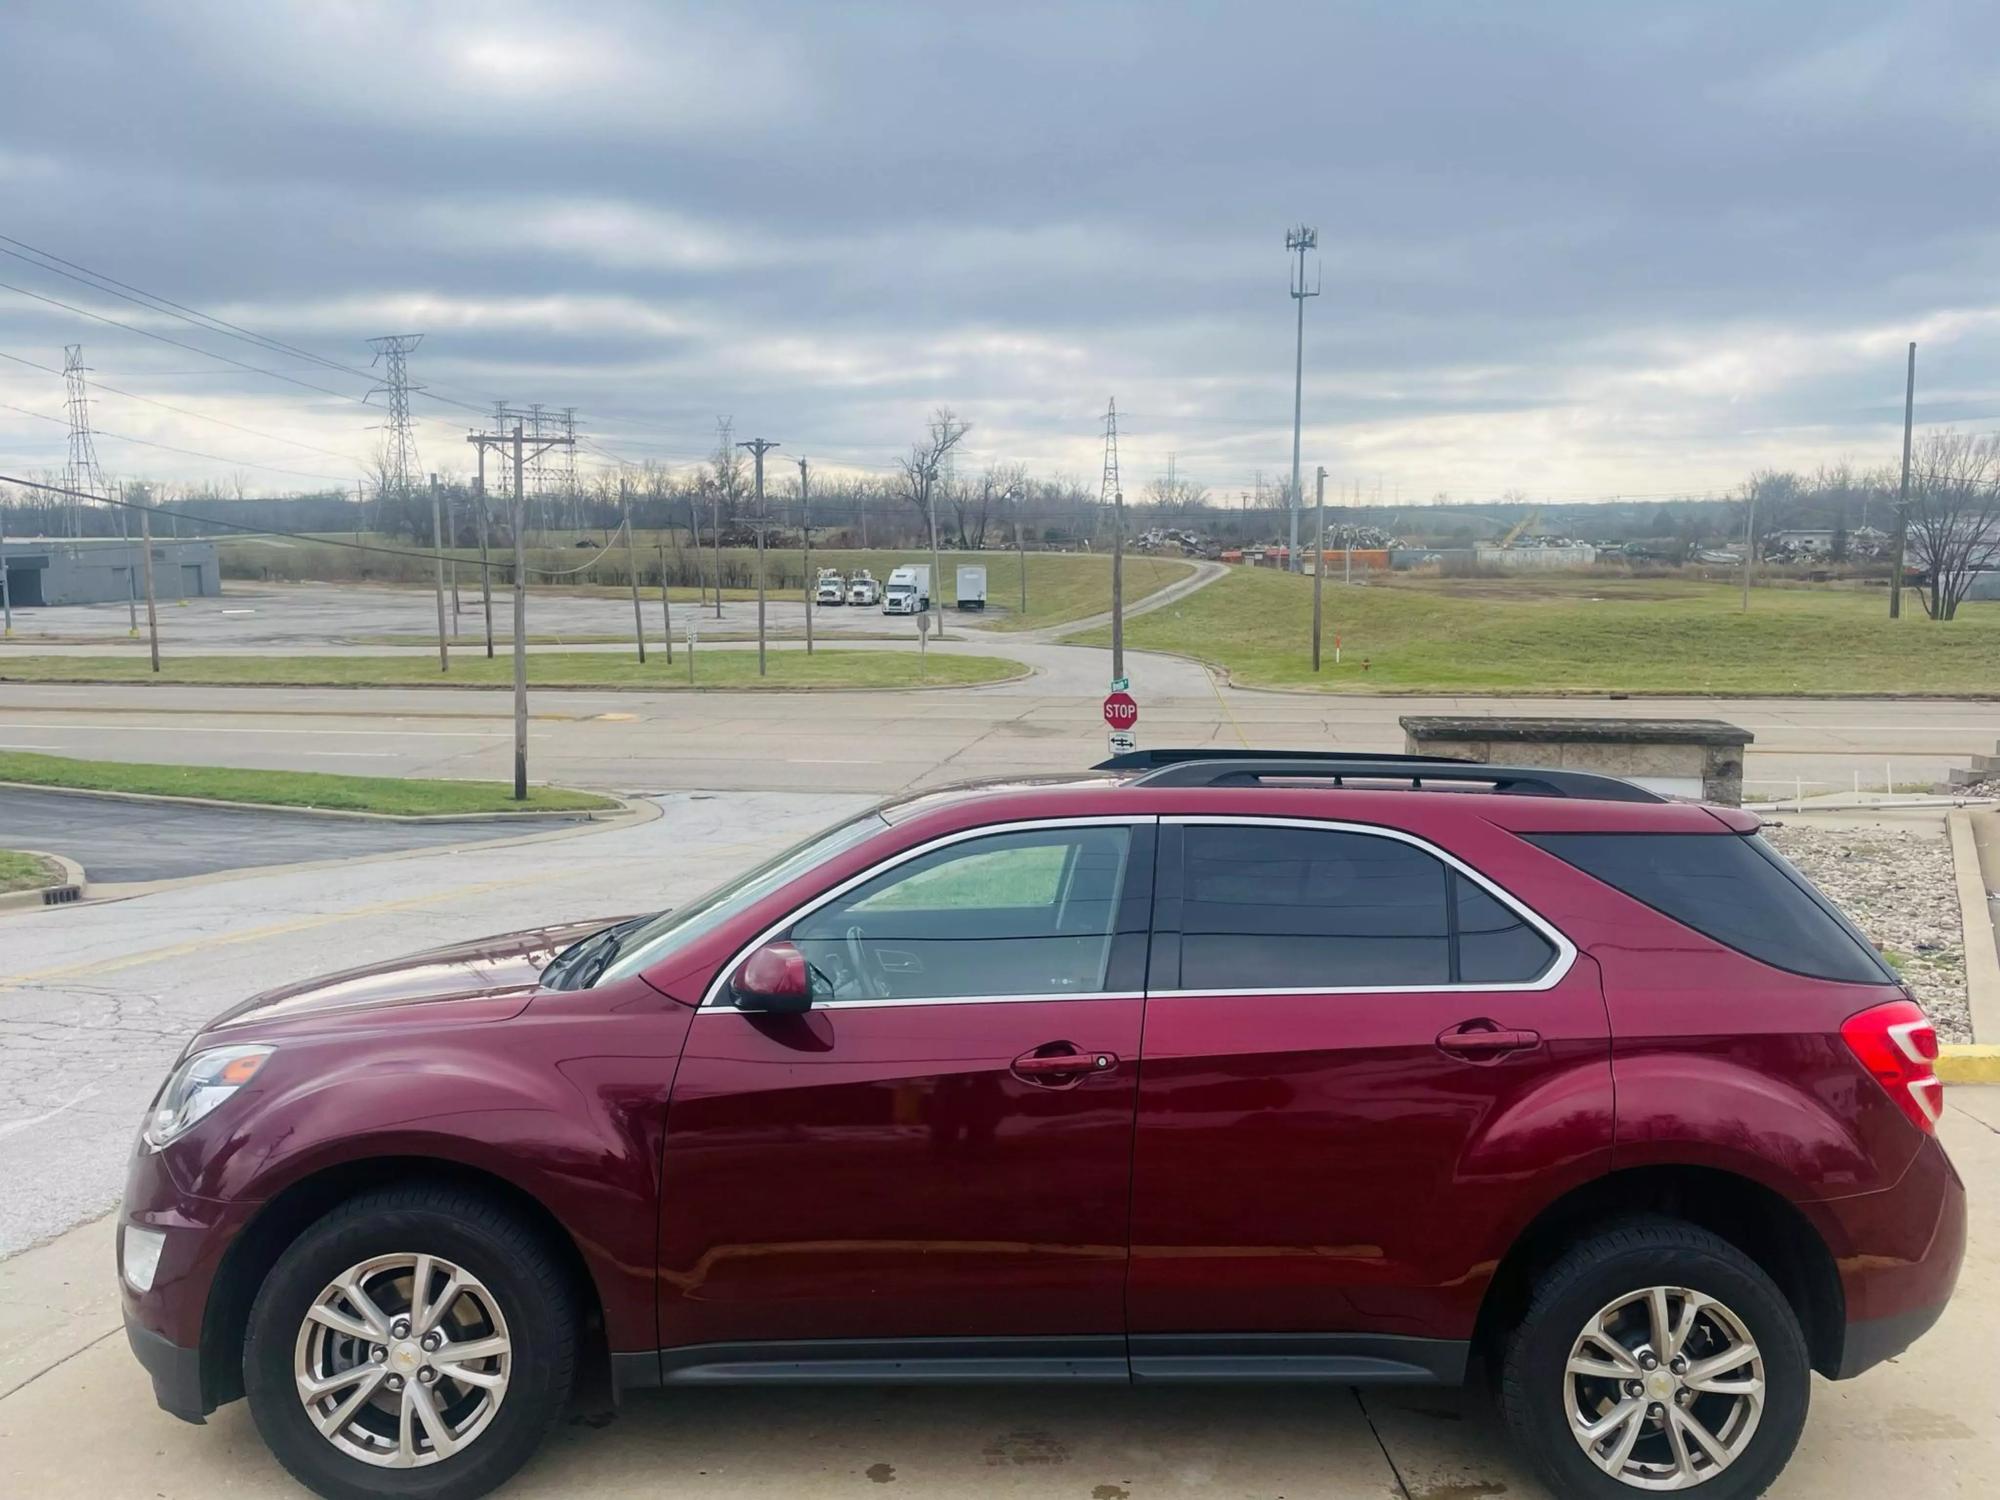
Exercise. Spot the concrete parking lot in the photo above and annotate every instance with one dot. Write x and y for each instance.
(77, 1418)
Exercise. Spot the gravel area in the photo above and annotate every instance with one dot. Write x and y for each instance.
(1897, 885)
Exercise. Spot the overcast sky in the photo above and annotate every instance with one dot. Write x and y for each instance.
(1572, 249)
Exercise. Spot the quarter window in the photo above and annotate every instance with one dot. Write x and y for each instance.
(1303, 908)
(1026, 913)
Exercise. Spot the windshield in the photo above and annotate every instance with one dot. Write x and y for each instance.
(670, 930)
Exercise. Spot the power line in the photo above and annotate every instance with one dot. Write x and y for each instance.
(198, 416)
(241, 463)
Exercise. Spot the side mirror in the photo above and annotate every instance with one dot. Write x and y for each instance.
(775, 979)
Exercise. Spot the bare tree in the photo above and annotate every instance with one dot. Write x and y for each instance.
(725, 480)
(922, 473)
(1954, 516)
(1176, 496)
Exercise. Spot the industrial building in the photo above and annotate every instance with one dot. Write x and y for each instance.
(104, 570)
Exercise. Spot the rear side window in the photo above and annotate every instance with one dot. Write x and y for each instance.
(1301, 908)
(1739, 891)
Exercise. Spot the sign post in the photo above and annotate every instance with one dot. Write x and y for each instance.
(923, 646)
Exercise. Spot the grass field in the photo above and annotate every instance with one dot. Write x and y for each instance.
(376, 794)
(789, 668)
(1062, 586)
(27, 872)
(1572, 635)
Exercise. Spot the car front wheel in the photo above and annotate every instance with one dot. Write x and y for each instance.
(1656, 1357)
(417, 1341)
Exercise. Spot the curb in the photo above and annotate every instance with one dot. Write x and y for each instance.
(534, 815)
(1982, 944)
(1967, 1063)
(73, 888)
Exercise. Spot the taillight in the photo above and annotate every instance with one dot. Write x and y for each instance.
(1897, 1044)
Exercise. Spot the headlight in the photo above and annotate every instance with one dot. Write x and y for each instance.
(197, 1086)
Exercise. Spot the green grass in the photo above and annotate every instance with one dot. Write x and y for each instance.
(1572, 634)
(27, 872)
(1062, 586)
(375, 794)
(789, 668)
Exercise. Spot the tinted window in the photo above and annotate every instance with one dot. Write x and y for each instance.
(1737, 890)
(1299, 908)
(1028, 913)
(1495, 944)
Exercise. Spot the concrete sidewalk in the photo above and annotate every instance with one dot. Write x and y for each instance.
(77, 1417)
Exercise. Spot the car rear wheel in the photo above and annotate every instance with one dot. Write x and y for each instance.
(416, 1341)
(1656, 1358)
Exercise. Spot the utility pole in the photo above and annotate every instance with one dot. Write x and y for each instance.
(806, 531)
(131, 571)
(715, 545)
(1749, 546)
(6, 590)
(514, 440)
(666, 608)
(1298, 241)
(632, 568)
(146, 561)
(485, 563)
(437, 550)
(1118, 585)
(1903, 493)
(1020, 553)
(1319, 554)
(758, 448)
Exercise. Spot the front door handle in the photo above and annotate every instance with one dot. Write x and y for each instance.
(1053, 1069)
(1482, 1040)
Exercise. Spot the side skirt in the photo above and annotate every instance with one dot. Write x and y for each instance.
(1341, 1358)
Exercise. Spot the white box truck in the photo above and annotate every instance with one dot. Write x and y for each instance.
(909, 590)
(972, 588)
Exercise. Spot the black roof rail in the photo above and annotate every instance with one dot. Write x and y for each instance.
(1192, 768)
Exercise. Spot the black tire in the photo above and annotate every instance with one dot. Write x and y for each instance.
(471, 1230)
(1610, 1265)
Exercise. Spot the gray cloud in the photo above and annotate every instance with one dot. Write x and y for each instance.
(1573, 248)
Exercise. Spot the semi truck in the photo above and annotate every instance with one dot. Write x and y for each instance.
(909, 590)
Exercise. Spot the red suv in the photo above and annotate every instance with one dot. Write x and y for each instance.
(1206, 1067)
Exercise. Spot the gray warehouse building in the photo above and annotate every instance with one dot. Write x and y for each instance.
(104, 570)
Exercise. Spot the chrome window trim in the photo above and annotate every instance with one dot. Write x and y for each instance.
(1550, 977)
(713, 999)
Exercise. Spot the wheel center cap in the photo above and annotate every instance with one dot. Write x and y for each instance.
(1661, 1384)
(406, 1358)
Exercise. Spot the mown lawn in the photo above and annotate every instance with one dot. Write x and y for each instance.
(375, 794)
(1573, 634)
(790, 667)
(26, 872)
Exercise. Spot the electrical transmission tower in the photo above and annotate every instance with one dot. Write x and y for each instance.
(400, 466)
(81, 476)
(1107, 490)
(572, 501)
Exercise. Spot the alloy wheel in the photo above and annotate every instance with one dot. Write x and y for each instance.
(402, 1360)
(1664, 1388)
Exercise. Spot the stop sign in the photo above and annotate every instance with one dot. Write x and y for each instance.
(1121, 710)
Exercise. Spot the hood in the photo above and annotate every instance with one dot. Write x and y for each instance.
(492, 968)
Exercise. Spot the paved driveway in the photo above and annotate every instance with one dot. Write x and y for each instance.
(118, 841)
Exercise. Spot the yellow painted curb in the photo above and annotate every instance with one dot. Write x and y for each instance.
(1961, 1062)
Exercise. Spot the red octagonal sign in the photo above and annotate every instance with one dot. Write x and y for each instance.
(1121, 711)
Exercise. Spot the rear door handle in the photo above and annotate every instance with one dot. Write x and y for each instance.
(1482, 1040)
(1053, 1069)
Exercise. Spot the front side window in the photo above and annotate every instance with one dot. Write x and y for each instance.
(1307, 908)
(1032, 912)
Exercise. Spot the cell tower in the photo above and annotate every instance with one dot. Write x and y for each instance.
(81, 476)
(401, 465)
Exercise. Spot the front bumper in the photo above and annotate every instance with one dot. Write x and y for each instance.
(176, 1372)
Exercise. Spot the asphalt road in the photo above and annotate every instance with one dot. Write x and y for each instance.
(885, 741)
(118, 842)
